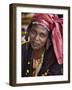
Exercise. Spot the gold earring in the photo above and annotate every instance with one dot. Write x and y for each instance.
(28, 38)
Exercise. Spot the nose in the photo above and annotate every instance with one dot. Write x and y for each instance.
(37, 37)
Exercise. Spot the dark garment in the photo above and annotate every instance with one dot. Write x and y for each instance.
(50, 65)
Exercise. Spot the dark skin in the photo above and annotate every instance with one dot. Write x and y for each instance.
(38, 38)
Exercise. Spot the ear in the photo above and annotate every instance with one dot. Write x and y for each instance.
(48, 43)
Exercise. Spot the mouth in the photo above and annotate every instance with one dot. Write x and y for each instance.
(35, 44)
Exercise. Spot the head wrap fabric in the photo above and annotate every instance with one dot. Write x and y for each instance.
(52, 22)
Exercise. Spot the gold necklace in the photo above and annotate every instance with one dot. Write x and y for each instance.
(37, 63)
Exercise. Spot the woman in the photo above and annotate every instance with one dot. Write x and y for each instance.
(43, 55)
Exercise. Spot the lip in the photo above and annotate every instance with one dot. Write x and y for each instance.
(35, 44)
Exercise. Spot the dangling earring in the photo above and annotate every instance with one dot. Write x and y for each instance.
(28, 38)
(48, 43)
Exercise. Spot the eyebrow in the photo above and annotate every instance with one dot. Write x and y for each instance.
(34, 27)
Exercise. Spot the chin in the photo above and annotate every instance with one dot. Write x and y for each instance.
(35, 48)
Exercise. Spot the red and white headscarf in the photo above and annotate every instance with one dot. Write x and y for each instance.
(54, 24)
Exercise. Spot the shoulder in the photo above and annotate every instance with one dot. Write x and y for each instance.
(24, 46)
(25, 49)
(50, 55)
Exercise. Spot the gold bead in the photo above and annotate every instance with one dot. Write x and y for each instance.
(27, 70)
(28, 62)
(45, 73)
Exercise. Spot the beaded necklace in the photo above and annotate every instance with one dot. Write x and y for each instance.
(37, 63)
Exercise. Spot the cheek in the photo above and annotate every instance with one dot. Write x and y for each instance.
(43, 41)
(31, 36)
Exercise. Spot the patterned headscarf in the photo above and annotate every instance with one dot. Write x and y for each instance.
(54, 24)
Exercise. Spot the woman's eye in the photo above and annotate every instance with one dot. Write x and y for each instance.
(33, 32)
(42, 35)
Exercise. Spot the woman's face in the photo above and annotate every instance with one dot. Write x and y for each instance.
(38, 36)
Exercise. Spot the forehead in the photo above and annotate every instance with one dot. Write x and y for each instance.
(39, 28)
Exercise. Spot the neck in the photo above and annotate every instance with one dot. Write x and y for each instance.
(37, 53)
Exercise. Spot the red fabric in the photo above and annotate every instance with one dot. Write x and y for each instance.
(53, 22)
